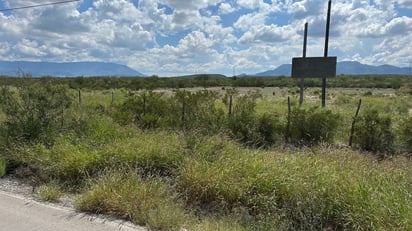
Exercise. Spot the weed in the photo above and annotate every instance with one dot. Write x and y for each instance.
(148, 202)
(50, 192)
(3, 166)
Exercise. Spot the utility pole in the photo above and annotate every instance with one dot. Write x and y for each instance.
(302, 80)
(326, 53)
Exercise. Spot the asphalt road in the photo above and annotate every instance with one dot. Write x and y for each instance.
(21, 214)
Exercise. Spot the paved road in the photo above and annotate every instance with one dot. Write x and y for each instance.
(21, 214)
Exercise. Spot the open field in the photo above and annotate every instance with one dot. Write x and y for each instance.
(192, 158)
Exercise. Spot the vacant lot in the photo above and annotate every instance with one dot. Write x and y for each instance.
(217, 158)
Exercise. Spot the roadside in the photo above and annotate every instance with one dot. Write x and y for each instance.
(20, 211)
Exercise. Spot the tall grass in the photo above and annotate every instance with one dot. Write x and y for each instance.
(3, 166)
(148, 202)
(168, 180)
(315, 189)
(105, 145)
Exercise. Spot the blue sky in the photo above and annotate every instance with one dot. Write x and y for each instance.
(176, 37)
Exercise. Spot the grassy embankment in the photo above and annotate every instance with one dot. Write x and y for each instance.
(171, 179)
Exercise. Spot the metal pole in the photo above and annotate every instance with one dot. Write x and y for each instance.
(302, 80)
(326, 53)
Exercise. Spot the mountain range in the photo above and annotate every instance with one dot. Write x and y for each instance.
(68, 69)
(346, 68)
(87, 69)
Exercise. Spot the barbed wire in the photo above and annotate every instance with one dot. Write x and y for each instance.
(39, 5)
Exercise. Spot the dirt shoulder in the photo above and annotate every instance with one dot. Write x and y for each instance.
(16, 188)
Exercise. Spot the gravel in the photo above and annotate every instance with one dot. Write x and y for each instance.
(18, 186)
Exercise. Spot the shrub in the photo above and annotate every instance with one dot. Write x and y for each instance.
(34, 112)
(242, 123)
(269, 130)
(373, 132)
(147, 109)
(313, 126)
(406, 135)
(198, 111)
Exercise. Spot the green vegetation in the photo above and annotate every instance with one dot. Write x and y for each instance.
(402, 83)
(148, 202)
(50, 192)
(3, 166)
(215, 159)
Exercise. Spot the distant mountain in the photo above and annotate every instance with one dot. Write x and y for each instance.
(345, 67)
(69, 69)
(282, 70)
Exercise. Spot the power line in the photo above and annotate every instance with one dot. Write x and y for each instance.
(40, 5)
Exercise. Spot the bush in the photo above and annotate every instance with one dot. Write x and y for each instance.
(313, 126)
(198, 111)
(269, 130)
(34, 112)
(242, 123)
(406, 135)
(373, 132)
(147, 109)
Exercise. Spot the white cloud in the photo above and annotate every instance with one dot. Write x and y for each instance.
(190, 5)
(398, 26)
(226, 8)
(306, 8)
(247, 21)
(268, 34)
(202, 38)
(405, 3)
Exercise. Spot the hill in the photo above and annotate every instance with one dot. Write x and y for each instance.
(345, 67)
(69, 69)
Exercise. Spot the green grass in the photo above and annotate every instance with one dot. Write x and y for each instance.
(3, 166)
(315, 189)
(148, 202)
(50, 192)
(170, 179)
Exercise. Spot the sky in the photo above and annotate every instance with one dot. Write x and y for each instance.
(181, 37)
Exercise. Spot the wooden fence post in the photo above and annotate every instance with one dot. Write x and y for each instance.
(183, 108)
(230, 105)
(144, 103)
(80, 98)
(288, 122)
(111, 104)
(352, 130)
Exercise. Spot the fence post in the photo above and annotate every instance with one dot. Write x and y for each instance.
(352, 130)
(230, 105)
(144, 103)
(80, 98)
(288, 122)
(183, 108)
(111, 104)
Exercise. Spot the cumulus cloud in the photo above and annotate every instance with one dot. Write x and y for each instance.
(405, 3)
(204, 35)
(226, 8)
(268, 34)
